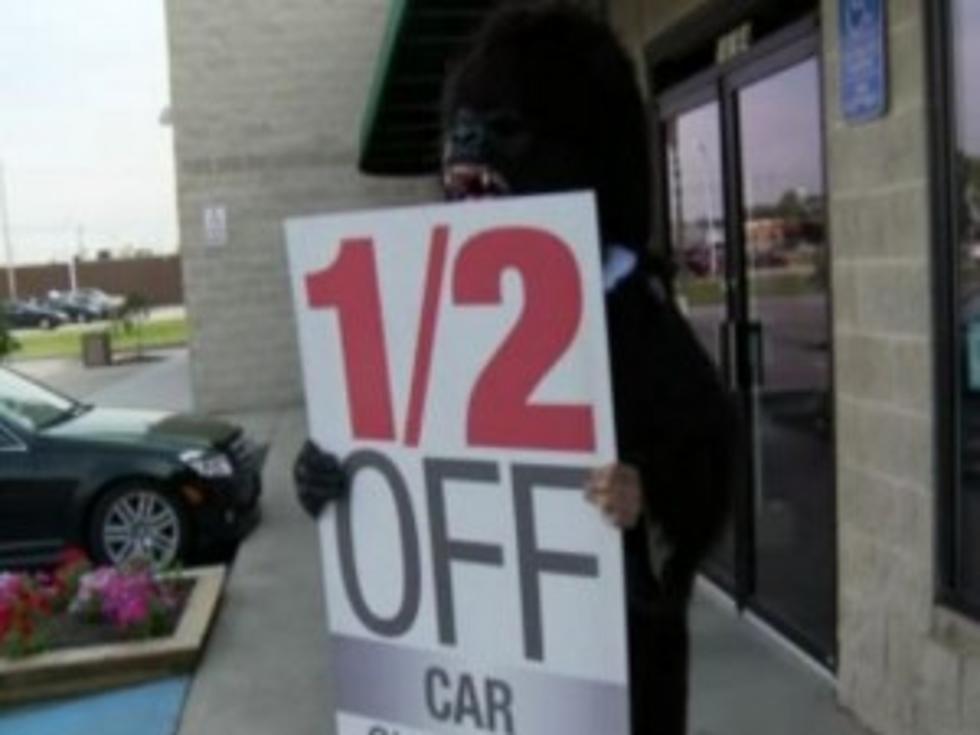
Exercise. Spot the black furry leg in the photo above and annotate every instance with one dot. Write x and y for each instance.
(659, 657)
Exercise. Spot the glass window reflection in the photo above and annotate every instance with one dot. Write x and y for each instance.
(697, 217)
(966, 54)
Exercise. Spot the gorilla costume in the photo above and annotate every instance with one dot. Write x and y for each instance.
(545, 100)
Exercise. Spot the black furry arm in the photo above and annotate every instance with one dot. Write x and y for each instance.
(319, 478)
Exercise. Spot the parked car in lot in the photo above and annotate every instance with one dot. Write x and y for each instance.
(77, 309)
(21, 315)
(87, 304)
(108, 304)
(121, 484)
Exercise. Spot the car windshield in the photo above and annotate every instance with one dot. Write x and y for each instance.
(30, 405)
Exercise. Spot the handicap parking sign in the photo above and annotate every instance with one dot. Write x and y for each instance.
(864, 66)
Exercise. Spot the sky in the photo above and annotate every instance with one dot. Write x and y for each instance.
(83, 83)
(781, 139)
(82, 86)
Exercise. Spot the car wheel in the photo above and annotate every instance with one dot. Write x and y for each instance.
(139, 521)
(46, 323)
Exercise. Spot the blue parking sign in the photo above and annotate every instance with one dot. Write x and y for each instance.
(864, 65)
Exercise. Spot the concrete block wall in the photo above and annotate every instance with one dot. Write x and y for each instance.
(267, 101)
(906, 666)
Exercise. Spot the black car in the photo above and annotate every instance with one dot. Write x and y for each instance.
(77, 309)
(21, 314)
(120, 484)
(96, 298)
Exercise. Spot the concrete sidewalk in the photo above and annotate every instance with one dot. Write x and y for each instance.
(745, 682)
(266, 669)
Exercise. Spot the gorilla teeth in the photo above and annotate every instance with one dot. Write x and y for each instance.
(471, 181)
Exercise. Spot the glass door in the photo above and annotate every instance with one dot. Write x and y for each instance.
(788, 336)
(746, 218)
(696, 198)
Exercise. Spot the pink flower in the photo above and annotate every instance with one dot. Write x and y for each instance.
(10, 587)
(125, 598)
(91, 589)
(6, 619)
(131, 611)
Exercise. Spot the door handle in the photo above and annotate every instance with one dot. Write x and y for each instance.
(727, 346)
(757, 352)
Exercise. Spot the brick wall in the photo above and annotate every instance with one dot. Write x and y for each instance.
(267, 99)
(158, 279)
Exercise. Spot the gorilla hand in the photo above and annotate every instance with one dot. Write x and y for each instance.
(319, 478)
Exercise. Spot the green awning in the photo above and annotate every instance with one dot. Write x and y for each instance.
(400, 130)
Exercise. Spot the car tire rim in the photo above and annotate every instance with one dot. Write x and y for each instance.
(142, 525)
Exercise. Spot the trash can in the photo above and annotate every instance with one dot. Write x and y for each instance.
(96, 349)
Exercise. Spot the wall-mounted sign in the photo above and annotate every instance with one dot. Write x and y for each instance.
(734, 43)
(864, 60)
(215, 226)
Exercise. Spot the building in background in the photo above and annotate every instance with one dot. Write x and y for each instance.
(158, 279)
(818, 181)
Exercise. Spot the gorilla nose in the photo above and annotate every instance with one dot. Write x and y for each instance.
(468, 136)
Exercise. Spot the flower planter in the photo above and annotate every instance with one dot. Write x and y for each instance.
(77, 670)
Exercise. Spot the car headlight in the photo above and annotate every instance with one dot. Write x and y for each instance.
(208, 464)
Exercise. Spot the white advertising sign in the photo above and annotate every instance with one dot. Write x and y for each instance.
(455, 358)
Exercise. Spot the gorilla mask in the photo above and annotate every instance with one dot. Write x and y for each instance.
(545, 100)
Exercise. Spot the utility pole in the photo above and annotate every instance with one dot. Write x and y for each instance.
(8, 243)
(711, 234)
(73, 263)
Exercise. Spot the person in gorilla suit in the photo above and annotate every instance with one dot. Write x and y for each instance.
(545, 100)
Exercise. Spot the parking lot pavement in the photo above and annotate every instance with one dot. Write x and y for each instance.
(69, 376)
(162, 382)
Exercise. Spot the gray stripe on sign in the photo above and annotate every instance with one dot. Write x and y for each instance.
(387, 682)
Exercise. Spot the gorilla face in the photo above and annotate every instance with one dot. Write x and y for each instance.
(546, 101)
(497, 151)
